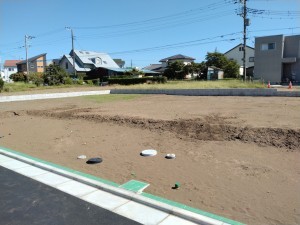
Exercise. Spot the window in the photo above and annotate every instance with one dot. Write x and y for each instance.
(98, 60)
(268, 46)
(31, 66)
(251, 59)
(10, 69)
(104, 62)
(67, 65)
(241, 49)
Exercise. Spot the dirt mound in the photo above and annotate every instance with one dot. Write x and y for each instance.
(210, 128)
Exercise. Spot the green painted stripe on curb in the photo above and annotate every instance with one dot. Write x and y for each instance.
(153, 197)
(191, 209)
(134, 185)
(63, 168)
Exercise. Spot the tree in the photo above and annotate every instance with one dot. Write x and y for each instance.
(175, 71)
(55, 75)
(36, 78)
(16, 77)
(230, 67)
(1, 84)
(216, 59)
(133, 72)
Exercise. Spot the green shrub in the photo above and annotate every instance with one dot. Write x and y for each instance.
(55, 75)
(18, 77)
(68, 80)
(36, 78)
(89, 82)
(7, 89)
(80, 82)
(141, 80)
(1, 84)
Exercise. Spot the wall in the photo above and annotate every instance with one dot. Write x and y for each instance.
(7, 72)
(40, 64)
(237, 55)
(292, 50)
(268, 63)
(62, 64)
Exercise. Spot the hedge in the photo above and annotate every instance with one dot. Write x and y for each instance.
(141, 80)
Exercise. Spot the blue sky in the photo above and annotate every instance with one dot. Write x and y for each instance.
(138, 30)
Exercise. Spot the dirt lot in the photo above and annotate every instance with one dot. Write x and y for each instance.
(237, 157)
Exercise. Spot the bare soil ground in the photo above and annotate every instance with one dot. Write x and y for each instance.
(238, 157)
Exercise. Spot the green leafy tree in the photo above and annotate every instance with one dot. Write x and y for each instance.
(1, 84)
(36, 78)
(231, 70)
(55, 75)
(133, 72)
(230, 67)
(17, 77)
(175, 71)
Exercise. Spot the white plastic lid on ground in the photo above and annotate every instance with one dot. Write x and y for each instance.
(149, 152)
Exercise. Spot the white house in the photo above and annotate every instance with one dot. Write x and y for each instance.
(160, 68)
(237, 54)
(182, 58)
(9, 67)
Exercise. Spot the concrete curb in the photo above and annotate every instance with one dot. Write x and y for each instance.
(182, 213)
(211, 92)
(50, 96)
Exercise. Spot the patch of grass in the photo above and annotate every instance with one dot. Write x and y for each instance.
(110, 98)
(196, 85)
(21, 86)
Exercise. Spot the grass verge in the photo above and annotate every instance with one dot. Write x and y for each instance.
(109, 98)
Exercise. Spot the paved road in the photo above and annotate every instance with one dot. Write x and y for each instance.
(25, 201)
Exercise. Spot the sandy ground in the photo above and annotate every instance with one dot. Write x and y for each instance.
(237, 157)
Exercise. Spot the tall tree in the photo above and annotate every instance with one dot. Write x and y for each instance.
(55, 75)
(175, 71)
(230, 67)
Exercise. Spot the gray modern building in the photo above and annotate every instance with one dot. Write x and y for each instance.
(277, 59)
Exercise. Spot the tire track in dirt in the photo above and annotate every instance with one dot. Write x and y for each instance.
(210, 128)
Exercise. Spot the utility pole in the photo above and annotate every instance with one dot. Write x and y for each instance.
(246, 23)
(26, 49)
(73, 54)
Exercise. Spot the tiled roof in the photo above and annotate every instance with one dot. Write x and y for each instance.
(11, 63)
(174, 57)
(153, 67)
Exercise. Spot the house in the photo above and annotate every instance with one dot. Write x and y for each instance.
(36, 64)
(95, 64)
(182, 58)
(120, 62)
(160, 68)
(86, 61)
(155, 67)
(9, 67)
(277, 58)
(237, 54)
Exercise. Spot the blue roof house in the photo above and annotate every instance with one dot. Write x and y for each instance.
(86, 61)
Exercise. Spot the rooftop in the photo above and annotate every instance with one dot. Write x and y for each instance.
(11, 63)
(174, 57)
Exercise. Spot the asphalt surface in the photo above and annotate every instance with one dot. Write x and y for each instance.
(25, 201)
